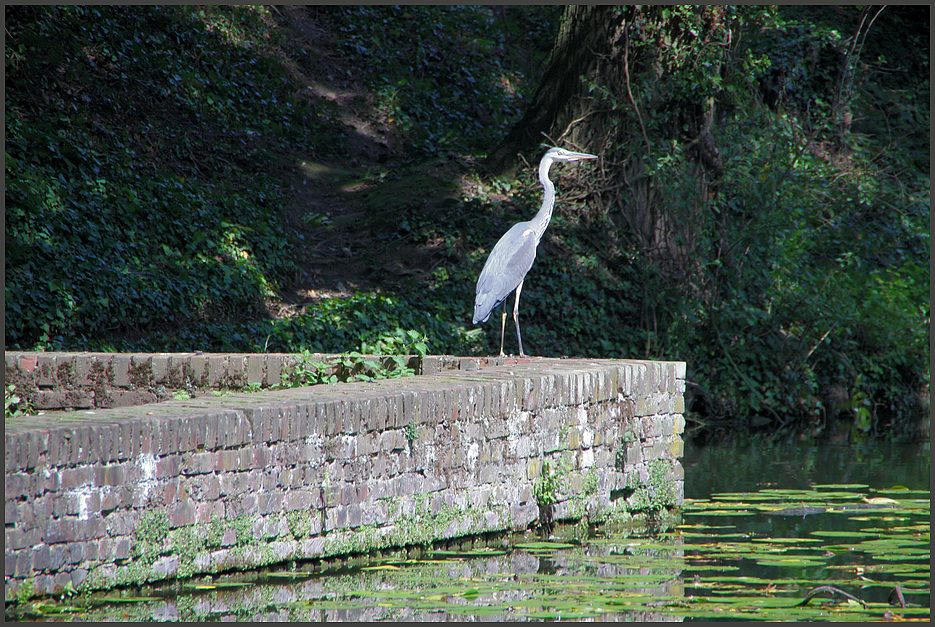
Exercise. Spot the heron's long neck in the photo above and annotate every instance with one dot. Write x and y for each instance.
(541, 221)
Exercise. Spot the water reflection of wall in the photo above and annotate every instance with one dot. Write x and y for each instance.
(519, 582)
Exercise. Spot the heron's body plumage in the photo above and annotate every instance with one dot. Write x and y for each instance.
(507, 265)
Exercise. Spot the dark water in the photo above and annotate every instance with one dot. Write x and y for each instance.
(764, 524)
(875, 470)
(751, 464)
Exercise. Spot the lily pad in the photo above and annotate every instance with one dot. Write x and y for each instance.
(834, 533)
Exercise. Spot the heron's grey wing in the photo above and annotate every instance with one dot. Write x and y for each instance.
(508, 263)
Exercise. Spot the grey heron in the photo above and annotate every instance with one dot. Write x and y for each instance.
(512, 256)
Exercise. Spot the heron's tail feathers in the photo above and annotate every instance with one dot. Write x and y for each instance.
(483, 305)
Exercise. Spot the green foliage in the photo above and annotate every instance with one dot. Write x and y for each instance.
(655, 496)
(24, 592)
(128, 134)
(308, 371)
(549, 483)
(14, 404)
(151, 533)
(356, 366)
(788, 254)
(441, 73)
(386, 358)
(830, 285)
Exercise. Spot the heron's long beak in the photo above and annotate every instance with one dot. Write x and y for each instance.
(577, 156)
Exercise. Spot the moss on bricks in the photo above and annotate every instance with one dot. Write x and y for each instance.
(155, 545)
(140, 373)
(651, 503)
(421, 527)
(66, 375)
(300, 523)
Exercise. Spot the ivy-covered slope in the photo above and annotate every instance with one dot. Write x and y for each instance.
(141, 151)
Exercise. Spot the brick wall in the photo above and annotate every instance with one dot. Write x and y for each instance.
(132, 494)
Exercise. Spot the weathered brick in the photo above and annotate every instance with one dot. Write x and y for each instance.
(412, 407)
(120, 367)
(212, 488)
(396, 412)
(27, 363)
(207, 512)
(142, 429)
(286, 424)
(237, 369)
(273, 370)
(317, 419)
(335, 518)
(242, 432)
(9, 563)
(228, 460)
(46, 370)
(183, 514)
(350, 417)
(57, 557)
(455, 451)
(59, 530)
(75, 553)
(109, 500)
(378, 414)
(168, 466)
(275, 425)
(38, 444)
(122, 549)
(105, 439)
(40, 557)
(198, 463)
(259, 457)
(159, 367)
(170, 437)
(197, 370)
(186, 437)
(120, 524)
(254, 369)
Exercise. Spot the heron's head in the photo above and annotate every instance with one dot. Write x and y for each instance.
(560, 154)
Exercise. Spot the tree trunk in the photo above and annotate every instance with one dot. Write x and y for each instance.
(581, 39)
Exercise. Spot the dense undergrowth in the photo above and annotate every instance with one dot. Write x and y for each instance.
(141, 149)
(146, 150)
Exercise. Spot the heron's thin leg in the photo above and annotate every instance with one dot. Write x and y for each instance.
(519, 338)
(502, 328)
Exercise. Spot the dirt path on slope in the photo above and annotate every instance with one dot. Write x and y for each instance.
(349, 243)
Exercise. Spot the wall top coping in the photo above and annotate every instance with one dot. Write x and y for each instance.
(620, 376)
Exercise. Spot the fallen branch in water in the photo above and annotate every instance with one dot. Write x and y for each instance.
(829, 589)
